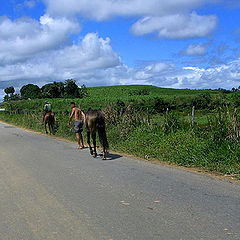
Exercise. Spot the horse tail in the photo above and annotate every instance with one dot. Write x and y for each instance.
(101, 128)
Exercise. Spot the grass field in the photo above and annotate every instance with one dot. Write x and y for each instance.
(212, 143)
(99, 97)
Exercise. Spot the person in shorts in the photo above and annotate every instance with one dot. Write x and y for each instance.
(79, 119)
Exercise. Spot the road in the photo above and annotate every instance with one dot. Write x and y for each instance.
(50, 190)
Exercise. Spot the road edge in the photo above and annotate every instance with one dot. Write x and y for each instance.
(199, 171)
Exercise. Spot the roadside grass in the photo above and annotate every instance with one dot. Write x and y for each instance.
(211, 144)
(181, 147)
(186, 147)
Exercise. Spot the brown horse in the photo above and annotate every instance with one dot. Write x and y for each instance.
(50, 120)
(95, 122)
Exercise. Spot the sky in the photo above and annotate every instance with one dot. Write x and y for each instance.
(191, 44)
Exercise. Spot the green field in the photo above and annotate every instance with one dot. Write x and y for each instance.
(99, 97)
(212, 143)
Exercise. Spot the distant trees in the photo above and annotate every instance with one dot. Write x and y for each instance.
(83, 91)
(30, 91)
(236, 89)
(9, 90)
(53, 90)
(10, 94)
(71, 89)
(67, 89)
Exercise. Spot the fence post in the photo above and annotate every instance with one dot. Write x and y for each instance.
(166, 118)
(148, 118)
(193, 115)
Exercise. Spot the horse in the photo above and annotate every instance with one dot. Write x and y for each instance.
(50, 120)
(95, 122)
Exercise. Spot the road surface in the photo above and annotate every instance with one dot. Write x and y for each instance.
(50, 190)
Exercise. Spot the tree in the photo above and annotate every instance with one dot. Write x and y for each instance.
(15, 97)
(53, 90)
(9, 90)
(71, 89)
(10, 94)
(83, 91)
(30, 91)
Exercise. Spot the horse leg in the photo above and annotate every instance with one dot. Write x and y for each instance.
(94, 144)
(45, 125)
(104, 147)
(49, 127)
(89, 142)
(52, 128)
(103, 140)
(52, 124)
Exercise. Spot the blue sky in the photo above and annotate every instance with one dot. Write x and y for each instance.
(166, 43)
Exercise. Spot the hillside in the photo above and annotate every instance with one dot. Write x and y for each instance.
(100, 97)
(210, 142)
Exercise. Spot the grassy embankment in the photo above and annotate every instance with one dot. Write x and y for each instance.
(212, 143)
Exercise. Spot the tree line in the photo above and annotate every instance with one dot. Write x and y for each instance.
(67, 89)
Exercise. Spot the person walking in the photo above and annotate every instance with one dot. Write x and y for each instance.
(79, 119)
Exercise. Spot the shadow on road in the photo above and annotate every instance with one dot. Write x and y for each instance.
(111, 156)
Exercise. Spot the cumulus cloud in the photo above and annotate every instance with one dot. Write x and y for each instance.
(82, 61)
(160, 74)
(23, 38)
(105, 9)
(43, 51)
(179, 26)
(195, 50)
(168, 18)
(189, 77)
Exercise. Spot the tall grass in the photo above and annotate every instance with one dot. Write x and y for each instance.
(212, 143)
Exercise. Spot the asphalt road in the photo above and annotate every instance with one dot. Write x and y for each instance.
(50, 190)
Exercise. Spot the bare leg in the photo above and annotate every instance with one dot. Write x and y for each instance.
(78, 140)
(104, 153)
(81, 139)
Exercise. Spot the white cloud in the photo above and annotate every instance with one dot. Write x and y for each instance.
(99, 71)
(42, 51)
(23, 38)
(168, 18)
(105, 9)
(92, 56)
(223, 76)
(179, 26)
(195, 50)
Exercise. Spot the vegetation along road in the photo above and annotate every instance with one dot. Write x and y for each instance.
(50, 190)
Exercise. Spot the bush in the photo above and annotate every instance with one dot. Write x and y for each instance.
(202, 101)
(30, 91)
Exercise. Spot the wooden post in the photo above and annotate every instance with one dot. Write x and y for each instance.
(193, 115)
(166, 118)
(148, 119)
